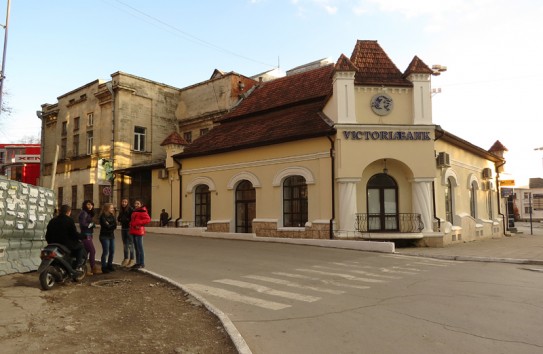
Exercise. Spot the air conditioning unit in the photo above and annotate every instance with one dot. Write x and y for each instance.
(487, 173)
(163, 174)
(443, 160)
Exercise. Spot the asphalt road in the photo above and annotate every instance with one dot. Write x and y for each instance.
(301, 299)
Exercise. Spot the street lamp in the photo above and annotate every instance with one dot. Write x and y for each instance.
(3, 70)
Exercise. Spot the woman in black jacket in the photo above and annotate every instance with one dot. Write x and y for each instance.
(108, 224)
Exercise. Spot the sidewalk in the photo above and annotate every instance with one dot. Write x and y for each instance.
(523, 247)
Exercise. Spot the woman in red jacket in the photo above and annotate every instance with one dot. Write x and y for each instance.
(139, 218)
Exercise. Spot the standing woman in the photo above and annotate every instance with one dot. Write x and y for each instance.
(86, 226)
(124, 217)
(140, 217)
(108, 224)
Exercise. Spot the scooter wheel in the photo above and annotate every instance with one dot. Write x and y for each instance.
(47, 278)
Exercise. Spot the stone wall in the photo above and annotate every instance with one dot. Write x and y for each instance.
(25, 211)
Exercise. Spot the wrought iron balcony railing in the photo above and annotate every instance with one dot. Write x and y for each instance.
(402, 223)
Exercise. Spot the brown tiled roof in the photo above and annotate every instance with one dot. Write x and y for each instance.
(281, 110)
(417, 66)
(344, 64)
(497, 146)
(175, 139)
(375, 67)
(308, 85)
(535, 183)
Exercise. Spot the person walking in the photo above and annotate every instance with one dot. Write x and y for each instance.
(86, 225)
(123, 218)
(108, 224)
(164, 218)
(140, 217)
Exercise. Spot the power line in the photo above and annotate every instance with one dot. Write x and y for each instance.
(183, 34)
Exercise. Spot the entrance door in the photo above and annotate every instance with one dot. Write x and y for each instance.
(245, 207)
(382, 203)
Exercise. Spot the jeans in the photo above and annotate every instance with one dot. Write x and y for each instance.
(128, 244)
(138, 245)
(89, 247)
(108, 250)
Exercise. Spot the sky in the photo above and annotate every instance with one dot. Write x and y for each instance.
(493, 51)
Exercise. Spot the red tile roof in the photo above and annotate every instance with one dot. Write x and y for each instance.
(497, 147)
(175, 139)
(375, 67)
(344, 64)
(285, 109)
(417, 66)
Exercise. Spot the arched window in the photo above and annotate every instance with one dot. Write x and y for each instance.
(490, 208)
(294, 201)
(473, 200)
(382, 193)
(202, 205)
(449, 208)
(245, 206)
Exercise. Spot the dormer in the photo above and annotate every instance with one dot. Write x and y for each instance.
(420, 75)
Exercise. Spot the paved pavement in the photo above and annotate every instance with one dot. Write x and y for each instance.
(524, 247)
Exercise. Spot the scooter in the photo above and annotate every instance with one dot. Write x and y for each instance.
(58, 265)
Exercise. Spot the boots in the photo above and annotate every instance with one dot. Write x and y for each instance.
(125, 262)
(97, 270)
(130, 263)
(89, 269)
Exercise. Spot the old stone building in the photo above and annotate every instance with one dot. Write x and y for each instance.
(102, 141)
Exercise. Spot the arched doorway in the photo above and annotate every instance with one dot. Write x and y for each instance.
(382, 199)
(202, 205)
(245, 207)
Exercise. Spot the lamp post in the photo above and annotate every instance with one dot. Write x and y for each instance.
(2, 72)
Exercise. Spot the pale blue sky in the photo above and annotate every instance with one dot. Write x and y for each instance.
(492, 49)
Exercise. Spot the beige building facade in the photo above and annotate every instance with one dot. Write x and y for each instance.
(347, 150)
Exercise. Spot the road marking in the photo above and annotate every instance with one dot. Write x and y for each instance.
(269, 291)
(340, 275)
(327, 282)
(431, 264)
(293, 284)
(365, 272)
(233, 296)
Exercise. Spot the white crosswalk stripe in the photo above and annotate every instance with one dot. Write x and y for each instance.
(293, 284)
(324, 281)
(340, 275)
(233, 296)
(269, 291)
(363, 272)
(430, 264)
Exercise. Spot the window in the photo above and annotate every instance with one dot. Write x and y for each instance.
(187, 136)
(139, 139)
(204, 131)
(60, 196)
(490, 208)
(64, 128)
(294, 202)
(87, 192)
(90, 140)
(74, 197)
(75, 148)
(90, 119)
(449, 208)
(76, 124)
(537, 202)
(382, 203)
(63, 144)
(202, 206)
(473, 200)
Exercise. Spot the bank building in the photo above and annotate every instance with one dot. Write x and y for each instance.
(345, 150)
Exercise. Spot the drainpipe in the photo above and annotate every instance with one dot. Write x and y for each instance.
(180, 192)
(498, 194)
(440, 130)
(333, 173)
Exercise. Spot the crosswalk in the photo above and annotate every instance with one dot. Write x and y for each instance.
(311, 284)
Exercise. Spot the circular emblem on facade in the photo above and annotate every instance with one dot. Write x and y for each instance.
(382, 104)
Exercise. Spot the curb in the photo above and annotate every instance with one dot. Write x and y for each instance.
(478, 259)
(230, 328)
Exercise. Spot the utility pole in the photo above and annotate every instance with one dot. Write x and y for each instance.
(2, 72)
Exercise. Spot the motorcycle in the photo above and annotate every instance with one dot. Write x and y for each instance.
(58, 265)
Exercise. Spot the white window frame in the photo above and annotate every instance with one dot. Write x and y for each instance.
(139, 139)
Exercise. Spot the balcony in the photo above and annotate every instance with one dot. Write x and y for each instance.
(402, 225)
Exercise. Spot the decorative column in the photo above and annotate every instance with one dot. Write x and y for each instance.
(422, 201)
(347, 204)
